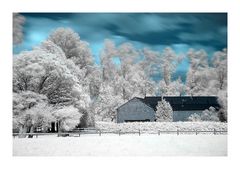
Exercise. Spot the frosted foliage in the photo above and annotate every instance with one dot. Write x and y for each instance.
(50, 47)
(151, 62)
(144, 86)
(127, 55)
(94, 84)
(134, 81)
(42, 116)
(30, 110)
(220, 65)
(109, 49)
(135, 84)
(168, 64)
(108, 67)
(153, 127)
(106, 104)
(129, 79)
(69, 41)
(194, 117)
(164, 111)
(44, 73)
(208, 79)
(207, 115)
(38, 116)
(198, 82)
(84, 58)
(175, 88)
(18, 21)
(68, 117)
(210, 115)
(26, 100)
(200, 75)
(198, 59)
(150, 56)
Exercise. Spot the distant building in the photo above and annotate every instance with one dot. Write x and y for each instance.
(144, 109)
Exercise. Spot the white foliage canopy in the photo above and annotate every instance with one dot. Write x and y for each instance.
(68, 116)
(164, 111)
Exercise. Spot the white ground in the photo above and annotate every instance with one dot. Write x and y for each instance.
(130, 145)
(153, 127)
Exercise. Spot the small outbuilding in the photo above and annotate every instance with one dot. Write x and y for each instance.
(144, 109)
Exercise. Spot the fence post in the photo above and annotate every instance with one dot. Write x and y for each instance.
(100, 132)
(79, 134)
(158, 132)
(119, 132)
(177, 132)
(196, 132)
(139, 132)
(214, 131)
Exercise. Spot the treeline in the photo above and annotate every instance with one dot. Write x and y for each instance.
(59, 80)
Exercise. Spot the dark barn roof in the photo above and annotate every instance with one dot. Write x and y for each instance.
(184, 103)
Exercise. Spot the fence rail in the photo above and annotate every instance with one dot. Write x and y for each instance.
(118, 132)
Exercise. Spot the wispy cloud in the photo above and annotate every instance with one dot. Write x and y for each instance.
(150, 29)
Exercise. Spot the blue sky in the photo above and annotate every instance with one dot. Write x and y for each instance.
(180, 31)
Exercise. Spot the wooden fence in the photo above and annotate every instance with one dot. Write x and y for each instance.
(119, 132)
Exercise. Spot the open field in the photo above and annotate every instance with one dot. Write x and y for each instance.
(124, 145)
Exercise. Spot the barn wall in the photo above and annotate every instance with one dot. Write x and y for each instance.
(183, 115)
(135, 110)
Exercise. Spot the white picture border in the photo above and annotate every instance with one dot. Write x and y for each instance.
(232, 7)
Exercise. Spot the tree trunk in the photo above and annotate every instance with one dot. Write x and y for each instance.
(31, 130)
(22, 131)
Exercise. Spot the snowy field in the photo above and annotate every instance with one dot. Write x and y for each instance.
(124, 145)
(153, 127)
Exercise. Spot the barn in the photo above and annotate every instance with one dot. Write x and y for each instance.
(144, 109)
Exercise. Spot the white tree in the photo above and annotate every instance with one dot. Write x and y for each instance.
(95, 81)
(220, 65)
(82, 103)
(68, 117)
(18, 21)
(198, 59)
(107, 102)
(127, 54)
(44, 73)
(37, 116)
(210, 115)
(207, 115)
(175, 88)
(134, 80)
(30, 110)
(194, 117)
(26, 100)
(209, 79)
(168, 64)
(75, 49)
(107, 54)
(50, 47)
(164, 111)
(143, 84)
(151, 62)
(198, 76)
